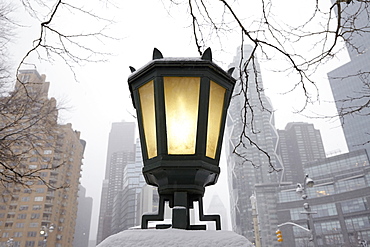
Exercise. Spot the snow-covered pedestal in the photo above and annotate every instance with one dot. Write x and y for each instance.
(175, 238)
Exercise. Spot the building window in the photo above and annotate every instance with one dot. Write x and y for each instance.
(32, 167)
(19, 225)
(34, 224)
(40, 190)
(41, 243)
(334, 240)
(358, 223)
(23, 207)
(22, 216)
(321, 190)
(39, 198)
(288, 196)
(27, 190)
(35, 216)
(33, 159)
(37, 207)
(43, 174)
(31, 234)
(328, 227)
(354, 205)
(30, 244)
(10, 216)
(351, 184)
(324, 210)
(46, 159)
(8, 224)
(25, 199)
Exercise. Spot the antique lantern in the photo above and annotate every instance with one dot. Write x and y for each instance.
(181, 106)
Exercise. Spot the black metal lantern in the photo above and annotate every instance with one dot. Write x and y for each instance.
(181, 106)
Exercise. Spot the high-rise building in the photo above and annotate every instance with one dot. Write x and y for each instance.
(251, 167)
(350, 82)
(125, 206)
(44, 168)
(121, 151)
(299, 143)
(339, 200)
(82, 233)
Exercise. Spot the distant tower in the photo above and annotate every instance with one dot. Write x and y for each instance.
(83, 220)
(299, 143)
(242, 176)
(120, 153)
(125, 205)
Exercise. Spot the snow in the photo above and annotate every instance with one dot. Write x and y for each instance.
(175, 238)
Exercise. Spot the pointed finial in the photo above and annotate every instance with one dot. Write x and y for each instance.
(157, 54)
(132, 69)
(231, 70)
(207, 55)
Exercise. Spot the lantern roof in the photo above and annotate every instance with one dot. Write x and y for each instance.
(194, 62)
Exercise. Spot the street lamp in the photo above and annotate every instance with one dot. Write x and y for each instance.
(181, 106)
(301, 189)
(44, 231)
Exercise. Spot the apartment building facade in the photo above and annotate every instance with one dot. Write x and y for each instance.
(41, 176)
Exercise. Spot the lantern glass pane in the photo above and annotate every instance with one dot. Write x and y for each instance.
(216, 104)
(146, 94)
(181, 96)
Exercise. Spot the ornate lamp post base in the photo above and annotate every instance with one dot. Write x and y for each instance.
(180, 202)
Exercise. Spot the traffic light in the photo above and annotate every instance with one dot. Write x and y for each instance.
(279, 236)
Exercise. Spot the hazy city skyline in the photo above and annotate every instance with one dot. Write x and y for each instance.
(101, 95)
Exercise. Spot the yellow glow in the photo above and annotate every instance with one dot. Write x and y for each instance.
(322, 192)
(146, 93)
(216, 103)
(181, 96)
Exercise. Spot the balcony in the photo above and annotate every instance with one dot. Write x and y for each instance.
(48, 202)
(48, 211)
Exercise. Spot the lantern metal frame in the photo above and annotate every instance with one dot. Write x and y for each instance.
(181, 178)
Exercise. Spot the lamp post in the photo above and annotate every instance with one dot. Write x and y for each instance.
(257, 238)
(181, 106)
(44, 231)
(301, 189)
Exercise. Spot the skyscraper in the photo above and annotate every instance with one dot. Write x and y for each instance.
(83, 220)
(242, 176)
(125, 206)
(350, 82)
(298, 144)
(120, 153)
(47, 157)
